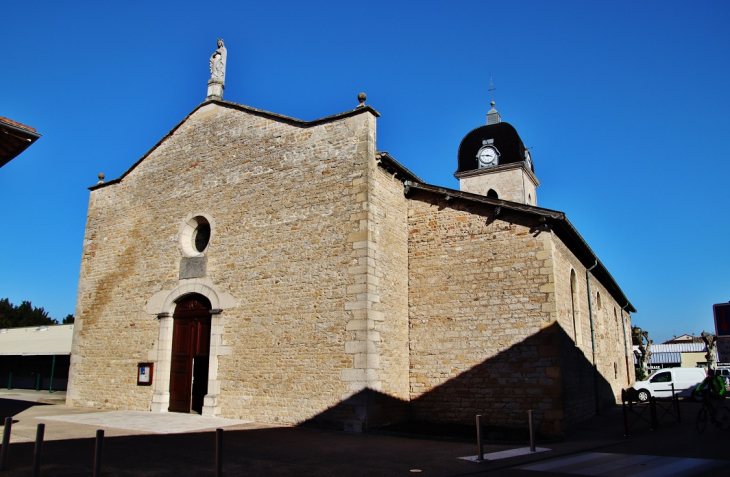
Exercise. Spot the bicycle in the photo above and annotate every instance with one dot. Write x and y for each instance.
(719, 414)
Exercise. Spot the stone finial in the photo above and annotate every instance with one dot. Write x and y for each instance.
(361, 97)
(101, 178)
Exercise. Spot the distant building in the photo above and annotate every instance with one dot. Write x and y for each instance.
(35, 356)
(14, 139)
(684, 339)
(685, 353)
(287, 271)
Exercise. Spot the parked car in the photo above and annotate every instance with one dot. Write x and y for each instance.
(659, 384)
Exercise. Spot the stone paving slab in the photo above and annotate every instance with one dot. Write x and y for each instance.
(147, 422)
(609, 464)
(506, 454)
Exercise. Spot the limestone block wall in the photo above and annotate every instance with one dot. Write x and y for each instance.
(112, 333)
(611, 342)
(285, 203)
(579, 383)
(481, 309)
(388, 211)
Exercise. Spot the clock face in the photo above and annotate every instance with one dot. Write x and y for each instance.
(487, 156)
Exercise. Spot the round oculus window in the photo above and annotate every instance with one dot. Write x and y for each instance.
(195, 236)
(201, 237)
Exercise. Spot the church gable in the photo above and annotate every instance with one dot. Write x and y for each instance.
(283, 203)
(224, 130)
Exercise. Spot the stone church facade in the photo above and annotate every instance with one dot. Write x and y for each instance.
(289, 271)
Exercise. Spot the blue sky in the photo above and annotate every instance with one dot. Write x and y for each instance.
(625, 105)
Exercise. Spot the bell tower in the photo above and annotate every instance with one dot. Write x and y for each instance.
(493, 161)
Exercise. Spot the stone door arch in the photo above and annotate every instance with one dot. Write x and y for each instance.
(164, 304)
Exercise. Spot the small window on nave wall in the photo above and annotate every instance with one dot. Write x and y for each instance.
(574, 307)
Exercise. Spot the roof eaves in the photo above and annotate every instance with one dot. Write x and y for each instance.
(530, 209)
(590, 259)
(18, 126)
(565, 229)
(388, 160)
(295, 121)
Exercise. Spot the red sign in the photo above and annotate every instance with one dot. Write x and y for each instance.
(722, 319)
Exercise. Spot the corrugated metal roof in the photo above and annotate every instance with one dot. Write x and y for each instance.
(663, 358)
(677, 348)
(36, 340)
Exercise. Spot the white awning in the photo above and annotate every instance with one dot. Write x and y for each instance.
(36, 340)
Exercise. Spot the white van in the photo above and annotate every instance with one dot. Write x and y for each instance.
(659, 383)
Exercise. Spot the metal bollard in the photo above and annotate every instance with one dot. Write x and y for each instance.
(480, 443)
(675, 403)
(38, 449)
(38, 382)
(532, 431)
(6, 443)
(98, 452)
(219, 453)
(624, 397)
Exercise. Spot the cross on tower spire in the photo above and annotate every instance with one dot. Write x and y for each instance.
(491, 89)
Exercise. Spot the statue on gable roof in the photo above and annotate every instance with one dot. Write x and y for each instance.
(218, 63)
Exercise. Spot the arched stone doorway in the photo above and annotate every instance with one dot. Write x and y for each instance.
(190, 354)
(163, 304)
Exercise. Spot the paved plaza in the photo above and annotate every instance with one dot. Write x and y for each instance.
(167, 444)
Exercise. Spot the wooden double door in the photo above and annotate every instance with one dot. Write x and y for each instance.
(190, 354)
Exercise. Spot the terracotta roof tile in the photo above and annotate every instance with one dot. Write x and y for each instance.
(17, 124)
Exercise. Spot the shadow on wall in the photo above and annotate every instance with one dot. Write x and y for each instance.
(545, 373)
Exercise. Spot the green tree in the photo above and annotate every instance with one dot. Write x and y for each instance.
(25, 314)
(7, 313)
(68, 320)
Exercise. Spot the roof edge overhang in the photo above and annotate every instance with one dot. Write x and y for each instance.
(24, 135)
(254, 111)
(22, 131)
(388, 162)
(558, 222)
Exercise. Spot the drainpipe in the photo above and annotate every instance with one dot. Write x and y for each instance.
(593, 337)
(626, 344)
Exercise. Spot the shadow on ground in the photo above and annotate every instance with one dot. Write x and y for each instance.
(274, 451)
(12, 407)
